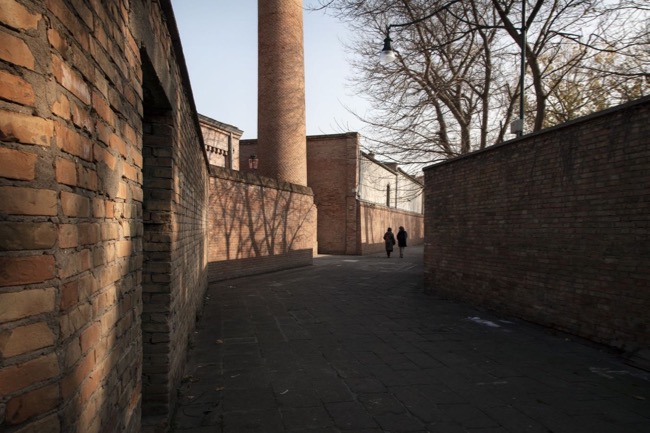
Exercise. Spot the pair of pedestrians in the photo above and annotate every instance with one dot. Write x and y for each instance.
(389, 241)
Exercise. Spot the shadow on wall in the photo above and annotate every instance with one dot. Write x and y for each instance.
(375, 219)
(257, 224)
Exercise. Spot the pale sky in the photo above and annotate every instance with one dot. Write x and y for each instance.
(219, 39)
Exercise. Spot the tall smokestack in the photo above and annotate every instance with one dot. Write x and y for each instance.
(281, 145)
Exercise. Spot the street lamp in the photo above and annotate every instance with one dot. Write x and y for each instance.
(388, 56)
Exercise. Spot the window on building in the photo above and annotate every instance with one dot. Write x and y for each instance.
(388, 195)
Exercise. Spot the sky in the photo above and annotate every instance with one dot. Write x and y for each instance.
(219, 39)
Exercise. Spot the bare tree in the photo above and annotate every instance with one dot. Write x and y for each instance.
(455, 86)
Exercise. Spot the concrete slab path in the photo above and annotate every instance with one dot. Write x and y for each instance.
(354, 344)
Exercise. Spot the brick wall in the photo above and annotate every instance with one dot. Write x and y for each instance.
(333, 174)
(347, 224)
(552, 228)
(76, 81)
(221, 142)
(375, 219)
(258, 225)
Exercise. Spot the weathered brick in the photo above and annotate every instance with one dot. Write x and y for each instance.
(130, 172)
(16, 51)
(56, 40)
(26, 406)
(70, 384)
(68, 236)
(25, 339)
(70, 79)
(16, 15)
(82, 118)
(14, 88)
(117, 143)
(66, 171)
(26, 303)
(87, 178)
(28, 201)
(49, 424)
(103, 155)
(70, 21)
(74, 320)
(69, 294)
(90, 336)
(75, 205)
(17, 164)
(72, 142)
(25, 129)
(124, 248)
(102, 108)
(20, 376)
(16, 271)
(72, 262)
(16, 236)
(61, 107)
(99, 208)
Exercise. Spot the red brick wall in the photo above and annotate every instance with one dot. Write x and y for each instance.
(333, 174)
(346, 225)
(258, 225)
(552, 228)
(75, 87)
(375, 219)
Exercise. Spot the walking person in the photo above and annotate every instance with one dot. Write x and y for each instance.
(402, 236)
(389, 241)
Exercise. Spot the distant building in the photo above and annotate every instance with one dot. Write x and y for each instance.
(221, 142)
(356, 195)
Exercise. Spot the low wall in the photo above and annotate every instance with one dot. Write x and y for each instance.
(552, 228)
(374, 220)
(257, 225)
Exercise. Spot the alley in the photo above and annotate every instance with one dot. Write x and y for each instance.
(354, 344)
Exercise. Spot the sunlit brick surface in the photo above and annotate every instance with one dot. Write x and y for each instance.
(281, 91)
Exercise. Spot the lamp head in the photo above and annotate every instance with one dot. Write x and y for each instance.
(387, 54)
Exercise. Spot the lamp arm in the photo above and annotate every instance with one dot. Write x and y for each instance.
(419, 20)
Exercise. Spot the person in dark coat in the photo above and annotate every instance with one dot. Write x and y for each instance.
(402, 236)
(389, 241)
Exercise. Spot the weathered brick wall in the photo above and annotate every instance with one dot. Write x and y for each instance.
(375, 219)
(258, 225)
(74, 89)
(552, 228)
(333, 174)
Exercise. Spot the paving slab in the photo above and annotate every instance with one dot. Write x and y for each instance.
(356, 344)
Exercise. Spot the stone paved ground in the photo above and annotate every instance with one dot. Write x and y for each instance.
(354, 344)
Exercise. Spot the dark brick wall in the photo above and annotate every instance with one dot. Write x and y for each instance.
(86, 290)
(552, 228)
(258, 225)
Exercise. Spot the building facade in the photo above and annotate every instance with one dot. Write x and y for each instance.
(221, 142)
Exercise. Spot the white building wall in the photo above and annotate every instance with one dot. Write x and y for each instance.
(380, 184)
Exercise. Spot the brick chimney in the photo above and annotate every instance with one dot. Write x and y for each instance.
(282, 146)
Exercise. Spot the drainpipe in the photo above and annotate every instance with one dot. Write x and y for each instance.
(230, 163)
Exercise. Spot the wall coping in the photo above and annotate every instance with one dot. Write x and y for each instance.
(314, 137)
(392, 209)
(257, 180)
(584, 119)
